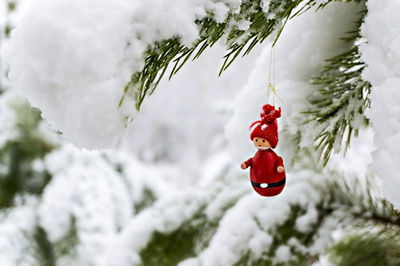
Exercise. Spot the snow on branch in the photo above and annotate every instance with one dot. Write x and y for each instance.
(381, 55)
(73, 59)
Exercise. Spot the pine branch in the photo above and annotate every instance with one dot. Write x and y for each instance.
(367, 248)
(352, 205)
(368, 208)
(240, 42)
(18, 153)
(43, 247)
(338, 107)
(372, 230)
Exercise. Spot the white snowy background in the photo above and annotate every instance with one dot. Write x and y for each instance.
(189, 138)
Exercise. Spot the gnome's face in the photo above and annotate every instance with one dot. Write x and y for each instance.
(261, 144)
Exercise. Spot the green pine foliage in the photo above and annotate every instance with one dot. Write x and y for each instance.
(146, 201)
(338, 107)
(66, 246)
(185, 242)
(282, 234)
(11, 6)
(43, 247)
(18, 153)
(161, 54)
(17, 156)
(346, 204)
(364, 199)
(368, 248)
(373, 234)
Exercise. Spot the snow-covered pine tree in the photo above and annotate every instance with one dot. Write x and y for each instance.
(110, 208)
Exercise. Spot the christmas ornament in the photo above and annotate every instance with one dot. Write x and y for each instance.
(267, 174)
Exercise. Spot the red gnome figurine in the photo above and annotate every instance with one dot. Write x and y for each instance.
(267, 174)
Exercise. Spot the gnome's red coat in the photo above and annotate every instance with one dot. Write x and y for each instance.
(263, 169)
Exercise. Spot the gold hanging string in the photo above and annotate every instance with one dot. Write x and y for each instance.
(270, 86)
(271, 77)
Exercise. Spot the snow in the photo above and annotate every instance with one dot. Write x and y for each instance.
(259, 242)
(305, 222)
(15, 228)
(265, 5)
(86, 192)
(16, 116)
(282, 254)
(177, 151)
(72, 59)
(172, 210)
(381, 54)
(165, 216)
(60, 59)
(254, 220)
(93, 194)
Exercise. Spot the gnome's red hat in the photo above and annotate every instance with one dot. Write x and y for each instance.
(267, 127)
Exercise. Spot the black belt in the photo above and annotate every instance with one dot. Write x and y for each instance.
(277, 184)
